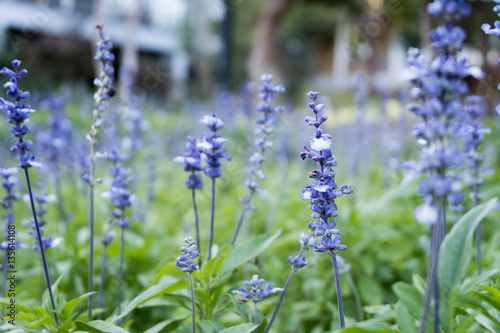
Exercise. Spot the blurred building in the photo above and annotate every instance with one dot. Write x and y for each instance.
(66, 28)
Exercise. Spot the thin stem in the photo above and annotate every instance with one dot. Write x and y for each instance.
(193, 305)
(357, 298)
(4, 275)
(430, 289)
(478, 230)
(244, 209)
(42, 250)
(195, 208)
(282, 297)
(444, 224)
(212, 221)
(103, 275)
(285, 289)
(478, 249)
(91, 224)
(60, 203)
(339, 289)
(120, 276)
(255, 315)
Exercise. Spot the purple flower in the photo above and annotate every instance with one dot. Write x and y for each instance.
(18, 115)
(192, 160)
(438, 86)
(255, 293)
(211, 146)
(41, 200)
(322, 191)
(263, 132)
(119, 194)
(189, 253)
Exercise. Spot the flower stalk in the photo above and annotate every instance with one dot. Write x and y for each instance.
(104, 93)
(18, 115)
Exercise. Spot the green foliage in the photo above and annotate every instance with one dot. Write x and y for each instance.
(456, 252)
(249, 250)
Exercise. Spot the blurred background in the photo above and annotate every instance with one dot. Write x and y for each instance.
(179, 48)
(178, 60)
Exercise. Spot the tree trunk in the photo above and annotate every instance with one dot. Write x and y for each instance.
(263, 57)
(130, 57)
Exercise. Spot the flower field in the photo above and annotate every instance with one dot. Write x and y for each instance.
(373, 210)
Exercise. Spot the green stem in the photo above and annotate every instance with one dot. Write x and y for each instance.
(245, 207)
(339, 289)
(212, 214)
(193, 304)
(40, 243)
(120, 275)
(255, 315)
(103, 275)
(357, 298)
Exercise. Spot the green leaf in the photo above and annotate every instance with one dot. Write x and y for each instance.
(71, 305)
(370, 290)
(40, 312)
(456, 251)
(248, 250)
(242, 310)
(99, 326)
(243, 328)
(47, 320)
(152, 292)
(369, 326)
(29, 317)
(472, 282)
(404, 320)
(19, 307)
(493, 292)
(167, 325)
(211, 326)
(409, 295)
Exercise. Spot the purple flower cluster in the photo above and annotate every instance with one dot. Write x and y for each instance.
(41, 200)
(119, 193)
(211, 146)
(439, 86)
(474, 108)
(8, 183)
(255, 294)
(18, 115)
(189, 253)
(192, 160)
(449, 10)
(322, 191)
(105, 82)
(266, 123)
(105, 91)
(57, 141)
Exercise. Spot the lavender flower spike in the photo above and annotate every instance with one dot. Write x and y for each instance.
(186, 262)
(438, 87)
(8, 183)
(18, 115)
(322, 193)
(256, 294)
(192, 160)
(474, 109)
(41, 200)
(211, 147)
(262, 133)
(121, 198)
(105, 91)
